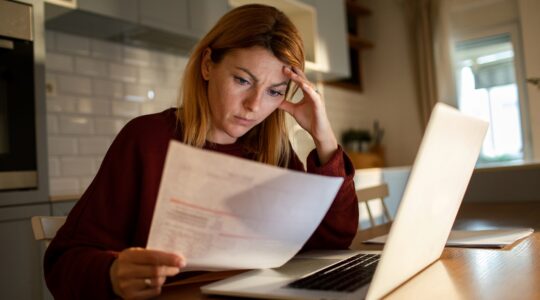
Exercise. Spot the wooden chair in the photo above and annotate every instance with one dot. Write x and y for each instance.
(379, 192)
(45, 227)
(364, 195)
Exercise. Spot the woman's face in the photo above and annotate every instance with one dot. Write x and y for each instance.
(244, 88)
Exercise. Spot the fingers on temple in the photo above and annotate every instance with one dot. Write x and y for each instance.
(300, 78)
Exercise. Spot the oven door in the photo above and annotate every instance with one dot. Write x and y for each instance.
(18, 161)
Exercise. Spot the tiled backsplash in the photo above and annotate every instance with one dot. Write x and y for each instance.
(94, 87)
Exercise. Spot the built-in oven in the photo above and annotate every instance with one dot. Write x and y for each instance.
(18, 151)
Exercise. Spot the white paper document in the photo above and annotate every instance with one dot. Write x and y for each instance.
(493, 238)
(222, 212)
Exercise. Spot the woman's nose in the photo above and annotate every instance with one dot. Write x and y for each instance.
(253, 101)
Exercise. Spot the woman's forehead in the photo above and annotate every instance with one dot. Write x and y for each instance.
(254, 55)
(258, 60)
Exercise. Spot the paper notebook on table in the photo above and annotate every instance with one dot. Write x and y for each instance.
(492, 238)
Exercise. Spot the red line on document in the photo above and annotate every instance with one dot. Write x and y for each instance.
(214, 211)
(245, 237)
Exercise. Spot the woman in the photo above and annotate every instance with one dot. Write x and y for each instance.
(234, 101)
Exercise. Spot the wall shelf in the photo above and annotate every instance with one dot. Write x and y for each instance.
(354, 8)
(357, 43)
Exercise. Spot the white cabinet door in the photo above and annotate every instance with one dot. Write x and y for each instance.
(186, 17)
(332, 52)
(530, 23)
(121, 9)
(21, 275)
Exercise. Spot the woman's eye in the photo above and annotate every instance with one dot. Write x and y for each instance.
(240, 80)
(275, 93)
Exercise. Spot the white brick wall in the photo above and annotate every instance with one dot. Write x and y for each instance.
(95, 87)
(60, 62)
(52, 125)
(72, 84)
(124, 73)
(95, 107)
(61, 104)
(94, 145)
(72, 44)
(107, 88)
(59, 146)
(137, 56)
(64, 186)
(109, 126)
(54, 167)
(90, 66)
(106, 50)
(76, 125)
(77, 166)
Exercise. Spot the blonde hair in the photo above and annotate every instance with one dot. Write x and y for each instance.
(243, 27)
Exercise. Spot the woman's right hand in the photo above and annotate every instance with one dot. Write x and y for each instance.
(139, 273)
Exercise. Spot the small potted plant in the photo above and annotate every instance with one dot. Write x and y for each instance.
(356, 140)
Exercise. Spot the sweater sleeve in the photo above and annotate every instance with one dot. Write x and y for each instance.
(340, 224)
(101, 224)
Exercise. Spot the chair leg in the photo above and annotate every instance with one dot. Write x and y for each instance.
(385, 210)
(371, 220)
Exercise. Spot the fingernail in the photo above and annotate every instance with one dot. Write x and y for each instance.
(182, 263)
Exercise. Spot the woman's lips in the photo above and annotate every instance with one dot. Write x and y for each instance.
(243, 121)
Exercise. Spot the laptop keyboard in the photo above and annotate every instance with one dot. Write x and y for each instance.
(346, 275)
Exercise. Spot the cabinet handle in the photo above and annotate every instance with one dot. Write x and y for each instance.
(7, 44)
(534, 81)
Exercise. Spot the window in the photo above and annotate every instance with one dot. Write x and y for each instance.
(487, 88)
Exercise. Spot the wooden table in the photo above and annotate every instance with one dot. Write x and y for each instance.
(512, 272)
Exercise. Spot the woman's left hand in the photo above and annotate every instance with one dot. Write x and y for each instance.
(310, 113)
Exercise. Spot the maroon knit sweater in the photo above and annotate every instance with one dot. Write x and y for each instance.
(115, 212)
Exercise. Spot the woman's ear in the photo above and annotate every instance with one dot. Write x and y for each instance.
(206, 63)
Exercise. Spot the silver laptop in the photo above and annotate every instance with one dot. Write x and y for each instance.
(437, 183)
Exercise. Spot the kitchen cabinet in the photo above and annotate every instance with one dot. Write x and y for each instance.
(120, 9)
(332, 50)
(21, 275)
(160, 24)
(169, 15)
(22, 256)
(184, 17)
(322, 25)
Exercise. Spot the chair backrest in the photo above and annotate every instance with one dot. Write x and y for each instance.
(45, 227)
(379, 192)
(372, 192)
